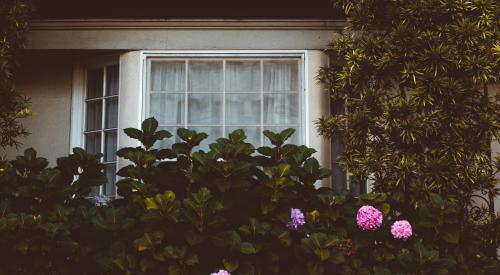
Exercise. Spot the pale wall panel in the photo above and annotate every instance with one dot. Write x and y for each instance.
(48, 84)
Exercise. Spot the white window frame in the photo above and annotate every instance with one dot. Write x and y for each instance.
(146, 56)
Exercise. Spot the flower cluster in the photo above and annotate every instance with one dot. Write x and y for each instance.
(401, 230)
(296, 219)
(369, 218)
(346, 246)
(221, 272)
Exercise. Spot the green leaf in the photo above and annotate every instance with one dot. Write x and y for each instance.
(247, 248)
(336, 257)
(150, 203)
(148, 241)
(287, 133)
(322, 253)
(133, 133)
(162, 134)
(174, 270)
(193, 238)
(231, 264)
(451, 236)
(191, 260)
(149, 126)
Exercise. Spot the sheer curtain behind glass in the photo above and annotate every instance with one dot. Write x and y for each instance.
(222, 95)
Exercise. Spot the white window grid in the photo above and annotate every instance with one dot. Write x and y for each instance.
(299, 127)
(103, 98)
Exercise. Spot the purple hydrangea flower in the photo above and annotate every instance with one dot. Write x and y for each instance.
(369, 218)
(221, 272)
(296, 219)
(401, 230)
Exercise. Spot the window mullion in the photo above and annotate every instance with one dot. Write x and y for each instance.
(103, 125)
(224, 98)
(186, 95)
(261, 103)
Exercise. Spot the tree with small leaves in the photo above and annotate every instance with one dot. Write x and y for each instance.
(14, 18)
(416, 78)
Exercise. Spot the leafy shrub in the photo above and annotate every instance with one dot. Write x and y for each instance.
(184, 211)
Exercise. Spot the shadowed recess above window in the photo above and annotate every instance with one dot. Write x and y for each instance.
(186, 9)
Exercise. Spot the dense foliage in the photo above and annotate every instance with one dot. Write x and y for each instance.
(14, 17)
(186, 211)
(416, 78)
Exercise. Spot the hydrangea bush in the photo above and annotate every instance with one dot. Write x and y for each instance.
(232, 209)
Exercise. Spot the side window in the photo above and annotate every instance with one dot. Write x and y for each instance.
(101, 121)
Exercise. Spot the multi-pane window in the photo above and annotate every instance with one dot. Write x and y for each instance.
(218, 96)
(102, 121)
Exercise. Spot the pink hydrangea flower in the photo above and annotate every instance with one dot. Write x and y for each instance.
(296, 219)
(369, 218)
(401, 230)
(221, 272)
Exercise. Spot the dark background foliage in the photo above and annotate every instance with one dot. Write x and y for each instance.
(14, 18)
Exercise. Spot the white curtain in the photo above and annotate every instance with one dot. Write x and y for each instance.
(167, 108)
(168, 76)
(281, 105)
(243, 76)
(242, 90)
(167, 99)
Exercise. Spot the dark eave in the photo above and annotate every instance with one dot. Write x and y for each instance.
(186, 9)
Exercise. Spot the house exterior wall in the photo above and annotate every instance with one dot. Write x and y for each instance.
(53, 81)
(47, 82)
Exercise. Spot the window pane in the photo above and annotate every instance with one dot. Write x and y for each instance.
(167, 142)
(95, 83)
(109, 187)
(242, 76)
(205, 76)
(294, 139)
(94, 115)
(243, 109)
(213, 134)
(110, 143)
(252, 133)
(112, 77)
(111, 113)
(167, 108)
(168, 76)
(205, 109)
(93, 143)
(281, 109)
(281, 75)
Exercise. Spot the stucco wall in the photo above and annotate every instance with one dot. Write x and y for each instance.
(47, 81)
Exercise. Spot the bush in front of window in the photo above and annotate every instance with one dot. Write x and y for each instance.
(234, 209)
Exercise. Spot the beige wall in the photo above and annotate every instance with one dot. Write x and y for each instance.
(47, 81)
